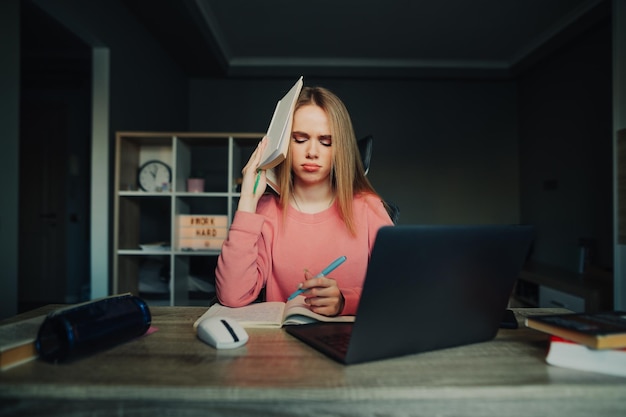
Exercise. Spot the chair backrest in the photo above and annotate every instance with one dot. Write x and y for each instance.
(393, 210)
(365, 148)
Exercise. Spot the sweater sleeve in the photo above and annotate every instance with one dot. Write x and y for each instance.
(245, 260)
(376, 216)
(351, 297)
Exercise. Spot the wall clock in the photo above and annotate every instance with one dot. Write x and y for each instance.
(153, 175)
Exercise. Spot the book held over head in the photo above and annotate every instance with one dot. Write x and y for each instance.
(279, 133)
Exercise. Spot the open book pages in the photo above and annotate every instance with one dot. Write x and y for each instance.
(279, 133)
(271, 314)
(272, 180)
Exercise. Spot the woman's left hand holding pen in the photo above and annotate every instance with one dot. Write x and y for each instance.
(254, 182)
(322, 295)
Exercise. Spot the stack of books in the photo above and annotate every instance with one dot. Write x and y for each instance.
(593, 342)
(201, 231)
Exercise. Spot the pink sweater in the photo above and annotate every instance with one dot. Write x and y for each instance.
(262, 250)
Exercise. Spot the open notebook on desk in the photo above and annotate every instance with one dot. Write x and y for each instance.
(427, 288)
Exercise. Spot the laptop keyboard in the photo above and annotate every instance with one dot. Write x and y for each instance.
(336, 341)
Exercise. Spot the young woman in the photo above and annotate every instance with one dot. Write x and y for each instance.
(327, 208)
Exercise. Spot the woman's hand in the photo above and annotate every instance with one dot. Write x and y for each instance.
(322, 295)
(254, 182)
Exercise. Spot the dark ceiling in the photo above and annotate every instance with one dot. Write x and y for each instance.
(360, 38)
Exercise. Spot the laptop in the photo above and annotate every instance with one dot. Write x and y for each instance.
(427, 288)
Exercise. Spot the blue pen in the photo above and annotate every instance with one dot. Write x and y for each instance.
(330, 268)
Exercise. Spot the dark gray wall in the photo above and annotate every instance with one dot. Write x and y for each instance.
(566, 150)
(444, 151)
(535, 150)
(148, 91)
(9, 157)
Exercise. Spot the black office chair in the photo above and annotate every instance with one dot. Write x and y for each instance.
(365, 148)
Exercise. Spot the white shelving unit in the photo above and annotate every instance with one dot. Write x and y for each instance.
(168, 275)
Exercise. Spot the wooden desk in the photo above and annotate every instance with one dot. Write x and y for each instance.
(170, 372)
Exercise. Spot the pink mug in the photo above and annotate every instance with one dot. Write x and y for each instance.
(195, 185)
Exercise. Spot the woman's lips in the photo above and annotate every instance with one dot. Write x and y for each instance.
(310, 167)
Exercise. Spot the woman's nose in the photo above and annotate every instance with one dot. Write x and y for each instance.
(312, 151)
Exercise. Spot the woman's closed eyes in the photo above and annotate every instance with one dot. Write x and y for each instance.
(300, 137)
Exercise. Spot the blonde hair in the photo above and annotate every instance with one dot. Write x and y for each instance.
(347, 175)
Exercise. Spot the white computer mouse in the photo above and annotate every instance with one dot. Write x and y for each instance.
(222, 332)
